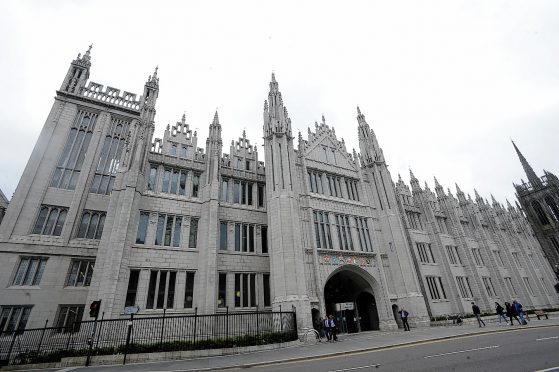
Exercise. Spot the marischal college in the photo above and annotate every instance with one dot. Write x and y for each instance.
(106, 211)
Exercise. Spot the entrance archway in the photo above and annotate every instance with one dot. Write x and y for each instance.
(350, 287)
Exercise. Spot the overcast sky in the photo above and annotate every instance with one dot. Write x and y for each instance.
(443, 84)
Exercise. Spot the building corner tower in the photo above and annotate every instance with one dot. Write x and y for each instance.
(286, 248)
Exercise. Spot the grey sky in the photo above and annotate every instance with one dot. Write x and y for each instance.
(444, 84)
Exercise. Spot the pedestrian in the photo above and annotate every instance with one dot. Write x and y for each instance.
(500, 313)
(477, 313)
(404, 316)
(332, 326)
(520, 311)
(326, 324)
(511, 312)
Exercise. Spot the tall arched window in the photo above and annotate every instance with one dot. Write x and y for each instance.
(553, 207)
(540, 213)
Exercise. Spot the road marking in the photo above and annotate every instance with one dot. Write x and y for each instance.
(354, 368)
(549, 369)
(547, 338)
(461, 351)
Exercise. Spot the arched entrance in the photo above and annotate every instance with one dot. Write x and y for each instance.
(350, 298)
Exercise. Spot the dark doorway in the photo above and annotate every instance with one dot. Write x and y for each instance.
(368, 314)
(350, 287)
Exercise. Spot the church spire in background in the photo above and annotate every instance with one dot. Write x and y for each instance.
(532, 177)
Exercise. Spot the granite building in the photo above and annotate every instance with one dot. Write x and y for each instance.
(106, 211)
(538, 197)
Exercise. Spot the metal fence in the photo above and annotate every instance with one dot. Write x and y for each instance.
(145, 334)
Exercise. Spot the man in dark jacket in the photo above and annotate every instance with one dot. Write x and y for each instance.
(477, 313)
(404, 316)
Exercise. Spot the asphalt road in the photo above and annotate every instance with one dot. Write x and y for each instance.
(518, 350)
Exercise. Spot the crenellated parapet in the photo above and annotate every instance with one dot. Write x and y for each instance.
(110, 95)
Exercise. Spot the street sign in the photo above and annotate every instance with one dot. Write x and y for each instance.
(131, 310)
(344, 306)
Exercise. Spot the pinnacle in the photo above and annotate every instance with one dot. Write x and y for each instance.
(458, 191)
(436, 182)
(358, 111)
(216, 119)
(412, 176)
(273, 77)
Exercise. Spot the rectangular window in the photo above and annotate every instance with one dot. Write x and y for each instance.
(168, 231)
(13, 318)
(260, 195)
(245, 290)
(80, 273)
(433, 287)
(464, 286)
(499, 258)
(344, 232)
(243, 193)
(91, 225)
(236, 192)
(71, 160)
(193, 236)
(152, 179)
(109, 160)
(184, 153)
(142, 228)
(249, 193)
(322, 227)
(264, 237)
(477, 257)
(425, 253)
(545, 287)
(267, 296)
(244, 237)
(161, 290)
(224, 189)
(237, 237)
(363, 234)
(30, 271)
(223, 236)
(247, 165)
(182, 183)
(251, 238)
(132, 288)
(528, 285)
(189, 290)
(222, 290)
(50, 220)
(488, 284)
(69, 318)
(195, 185)
(453, 255)
(166, 180)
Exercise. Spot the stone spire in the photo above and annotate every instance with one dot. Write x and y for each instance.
(438, 188)
(532, 177)
(368, 143)
(414, 182)
(78, 73)
(459, 194)
(276, 118)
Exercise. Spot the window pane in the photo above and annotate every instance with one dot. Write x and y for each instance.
(159, 231)
(222, 290)
(132, 288)
(151, 289)
(193, 238)
(168, 231)
(171, 290)
(189, 291)
(177, 232)
(166, 179)
(182, 183)
(223, 236)
(142, 228)
(264, 237)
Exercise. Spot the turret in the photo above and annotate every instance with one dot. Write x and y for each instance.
(276, 119)
(368, 144)
(78, 73)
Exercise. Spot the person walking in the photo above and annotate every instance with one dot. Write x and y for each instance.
(404, 316)
(477, 313)
(326, 325)
(520, 311)
(332, 326)
(500, 313)
(511, 312)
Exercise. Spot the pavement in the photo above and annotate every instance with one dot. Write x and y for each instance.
(310, 356)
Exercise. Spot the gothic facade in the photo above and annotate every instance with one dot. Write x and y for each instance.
(538, 197)
(106, 211)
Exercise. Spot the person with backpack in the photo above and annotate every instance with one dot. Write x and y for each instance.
(477, 313)
(404, 316)
(511, 313)
(500, 313)
(520, 311)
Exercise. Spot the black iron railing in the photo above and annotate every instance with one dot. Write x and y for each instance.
(145, 334)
